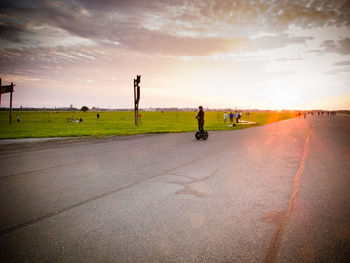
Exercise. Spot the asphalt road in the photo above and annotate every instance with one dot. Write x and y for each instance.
(275, 193)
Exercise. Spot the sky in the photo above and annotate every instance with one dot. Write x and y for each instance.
(277, 54)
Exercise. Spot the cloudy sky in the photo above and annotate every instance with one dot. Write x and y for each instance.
(216, 53)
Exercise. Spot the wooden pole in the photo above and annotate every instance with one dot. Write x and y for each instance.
(0, 93)
(137, 98)
(136, 103)
(137, 115)
(10, 120)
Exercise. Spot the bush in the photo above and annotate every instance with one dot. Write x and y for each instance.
(84, 108)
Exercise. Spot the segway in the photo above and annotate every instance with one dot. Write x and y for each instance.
(201, 134)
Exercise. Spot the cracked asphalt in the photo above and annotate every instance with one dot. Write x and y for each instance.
(274, 193)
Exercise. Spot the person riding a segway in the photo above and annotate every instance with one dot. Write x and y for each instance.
(201, 133)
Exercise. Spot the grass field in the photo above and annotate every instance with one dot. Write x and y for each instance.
(37, 124)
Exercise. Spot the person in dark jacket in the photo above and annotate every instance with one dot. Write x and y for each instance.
(200, 118)
(231, 117)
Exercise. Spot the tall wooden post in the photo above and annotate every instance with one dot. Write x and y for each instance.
(137, 97)
(0, 94)
(10, 121)
(11, 102)
(135, 103)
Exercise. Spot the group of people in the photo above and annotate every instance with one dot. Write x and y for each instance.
(200, 117)
(77, 120)
(331, 113)
(299, 114)
(237, 115)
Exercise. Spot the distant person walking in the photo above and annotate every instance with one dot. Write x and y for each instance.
(98, 115)
(231, 117)
(200, 118)
(17, 118)
(225, 117)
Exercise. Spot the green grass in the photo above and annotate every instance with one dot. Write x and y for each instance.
(38, 124)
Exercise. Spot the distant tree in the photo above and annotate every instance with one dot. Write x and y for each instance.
(84, 108)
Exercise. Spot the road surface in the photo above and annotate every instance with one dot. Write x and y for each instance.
(274, 193)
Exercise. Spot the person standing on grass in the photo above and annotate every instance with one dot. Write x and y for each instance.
(236, 116)
(200, 118)
(225, 117)
(231, 117)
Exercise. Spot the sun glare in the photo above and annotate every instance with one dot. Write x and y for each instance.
(283, 96)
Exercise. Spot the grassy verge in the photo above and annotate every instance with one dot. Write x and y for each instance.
(55, 124)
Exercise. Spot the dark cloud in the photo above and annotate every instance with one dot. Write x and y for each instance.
(341, 46)
(18, 5)
(344, 46)
(340, 70)
(173, 27)
(11, 32)
(39, 61)
(342, 63)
